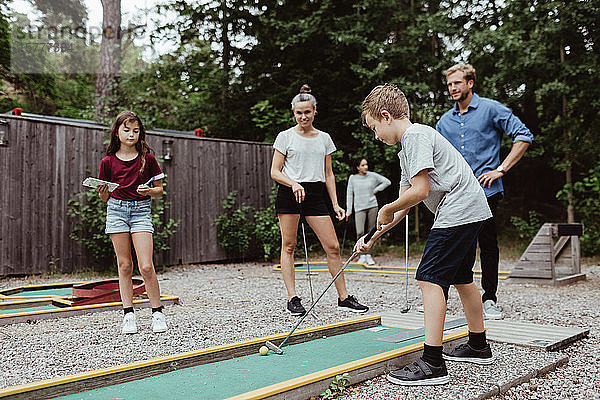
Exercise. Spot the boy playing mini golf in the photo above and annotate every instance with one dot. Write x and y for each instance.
(433, 172)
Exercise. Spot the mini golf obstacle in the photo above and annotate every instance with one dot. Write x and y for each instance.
(314, 357)
(321, 266)
(55, 300)
(103, 291)
(553, 256)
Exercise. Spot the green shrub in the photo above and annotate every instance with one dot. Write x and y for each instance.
(89, 213)
(527, 229)
(586, 201)
(234, 228)
(269, 119)
(266, 229)
(246, 231)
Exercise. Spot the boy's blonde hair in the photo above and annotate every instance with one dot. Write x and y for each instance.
(467, 70)
(385, 97)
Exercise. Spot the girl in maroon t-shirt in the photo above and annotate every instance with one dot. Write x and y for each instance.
(130, 163)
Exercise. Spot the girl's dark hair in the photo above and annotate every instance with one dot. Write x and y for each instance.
(304, 95)
(356, 164)
(115, 144)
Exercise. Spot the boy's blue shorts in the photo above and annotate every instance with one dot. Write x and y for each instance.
(449, 255)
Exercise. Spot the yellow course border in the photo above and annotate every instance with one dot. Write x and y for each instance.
(68, 307)
(29, 288)
(291, 384)
(381, 269)
(30, 387)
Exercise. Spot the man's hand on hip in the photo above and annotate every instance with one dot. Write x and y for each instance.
(489, 177)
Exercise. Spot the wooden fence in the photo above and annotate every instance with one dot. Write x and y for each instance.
(43, 162)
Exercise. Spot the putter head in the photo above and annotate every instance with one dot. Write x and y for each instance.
(273, 348)
(405, 309)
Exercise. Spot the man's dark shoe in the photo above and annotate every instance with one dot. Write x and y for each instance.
(464, 352)
(351, 304)
(295, 307)
(420, 373)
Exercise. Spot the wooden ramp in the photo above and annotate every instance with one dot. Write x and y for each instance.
(552, 257)
(547, 337)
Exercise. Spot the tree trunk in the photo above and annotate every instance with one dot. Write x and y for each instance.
(226, 58)
(110, 61)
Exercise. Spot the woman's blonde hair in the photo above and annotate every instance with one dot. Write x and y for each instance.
(304, 95)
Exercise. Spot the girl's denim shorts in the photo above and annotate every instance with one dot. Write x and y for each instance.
(128, 216)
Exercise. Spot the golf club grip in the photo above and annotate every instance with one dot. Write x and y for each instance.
(371, 233)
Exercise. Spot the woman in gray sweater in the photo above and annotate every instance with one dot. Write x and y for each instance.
(360, 196)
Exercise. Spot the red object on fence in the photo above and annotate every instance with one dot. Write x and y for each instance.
(17, 111)
(105, 291)
(199, 132)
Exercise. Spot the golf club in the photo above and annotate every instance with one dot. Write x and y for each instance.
(344, 239)
(277, 349)
(312, 300)
(406, 305)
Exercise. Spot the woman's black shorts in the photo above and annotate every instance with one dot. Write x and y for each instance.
(316, 200)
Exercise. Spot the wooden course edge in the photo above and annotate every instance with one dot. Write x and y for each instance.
(66, 311)
(142, 369)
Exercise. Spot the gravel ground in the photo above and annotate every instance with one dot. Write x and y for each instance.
(227, 303)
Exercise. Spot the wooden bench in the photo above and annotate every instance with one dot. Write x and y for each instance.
(550, 261)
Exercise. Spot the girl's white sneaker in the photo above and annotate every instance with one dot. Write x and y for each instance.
(129, 324)
(159, 322)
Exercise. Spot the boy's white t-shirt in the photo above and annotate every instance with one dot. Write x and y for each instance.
(304, 157)
(455, 195)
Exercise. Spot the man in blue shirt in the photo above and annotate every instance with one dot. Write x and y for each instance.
(475, 126)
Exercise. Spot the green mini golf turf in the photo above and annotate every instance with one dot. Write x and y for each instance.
(240, 375)
(4, 311)
(65, 292)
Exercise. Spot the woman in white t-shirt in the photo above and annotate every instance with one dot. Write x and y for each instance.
(302, 168)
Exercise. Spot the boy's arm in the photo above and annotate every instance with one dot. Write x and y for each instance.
(413, 195)
(361, 246)
(398, 216)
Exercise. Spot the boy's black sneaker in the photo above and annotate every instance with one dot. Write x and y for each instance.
(351, 304)
(295, 307)
(466, 353)
(420, 373)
